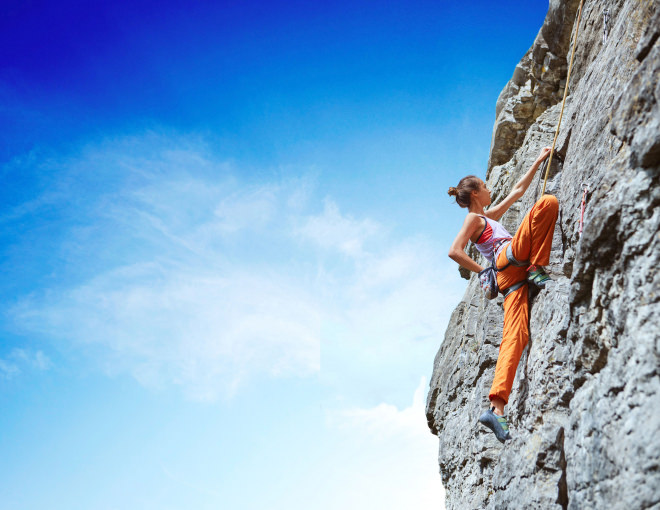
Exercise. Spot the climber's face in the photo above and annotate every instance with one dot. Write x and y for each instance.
(483, 195)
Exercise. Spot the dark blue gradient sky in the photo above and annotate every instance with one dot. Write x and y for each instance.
(223, 238)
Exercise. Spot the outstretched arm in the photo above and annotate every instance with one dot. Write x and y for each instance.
(519, 189)
(472, 223)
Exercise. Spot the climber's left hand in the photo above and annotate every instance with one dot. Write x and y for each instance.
(545, 152)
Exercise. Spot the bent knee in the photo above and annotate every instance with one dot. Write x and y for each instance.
(550, 201)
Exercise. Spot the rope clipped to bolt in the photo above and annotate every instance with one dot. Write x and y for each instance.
(563, 102)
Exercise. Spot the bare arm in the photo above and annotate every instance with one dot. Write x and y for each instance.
(472, 223)
(519, 189)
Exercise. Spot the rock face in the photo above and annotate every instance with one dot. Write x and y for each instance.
(585, 406)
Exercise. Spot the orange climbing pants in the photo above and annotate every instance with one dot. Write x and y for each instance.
(532, 242)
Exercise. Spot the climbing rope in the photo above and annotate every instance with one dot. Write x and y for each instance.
(563, 102)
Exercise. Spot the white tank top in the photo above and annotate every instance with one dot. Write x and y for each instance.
(492, 239)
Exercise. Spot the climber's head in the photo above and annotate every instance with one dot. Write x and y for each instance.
(470, 188)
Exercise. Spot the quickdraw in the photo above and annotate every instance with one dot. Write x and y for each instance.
(582, 207)
(606, 28)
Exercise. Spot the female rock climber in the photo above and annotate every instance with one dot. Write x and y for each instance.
(531, 244)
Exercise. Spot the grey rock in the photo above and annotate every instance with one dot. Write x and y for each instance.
(537, 83)
(585, 407)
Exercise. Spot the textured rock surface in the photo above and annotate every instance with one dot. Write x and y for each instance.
(585, 407)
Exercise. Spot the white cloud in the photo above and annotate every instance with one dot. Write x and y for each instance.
(178, 274)
(20, 360)
(181, 272)
(182, 325)
(389, 459)
(385, 421)
(8, 370)
(388, 318)
(333, 230)
(254, 208)
(37, 360)
(186, 273)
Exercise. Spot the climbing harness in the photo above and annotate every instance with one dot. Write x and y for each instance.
(512, 261)
(488, 282)
(582, 206)
(563, 102)
(606, 28)
(488, 276)
(513, 287)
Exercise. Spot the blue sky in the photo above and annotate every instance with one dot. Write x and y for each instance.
(224, 231)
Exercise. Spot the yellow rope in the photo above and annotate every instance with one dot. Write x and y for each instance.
(563, 102)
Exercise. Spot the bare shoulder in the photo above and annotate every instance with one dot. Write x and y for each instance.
(472, 223)
(473, 218)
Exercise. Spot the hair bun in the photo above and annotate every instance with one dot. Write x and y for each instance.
(453, 192)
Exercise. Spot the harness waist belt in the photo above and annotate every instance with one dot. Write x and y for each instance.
(497, 244)
(512, 260)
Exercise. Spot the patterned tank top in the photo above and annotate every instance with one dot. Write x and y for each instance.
(492, 238)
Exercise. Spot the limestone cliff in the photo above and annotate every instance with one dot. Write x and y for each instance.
(585, 407)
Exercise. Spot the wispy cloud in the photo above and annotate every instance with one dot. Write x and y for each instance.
(8, 370)
(183, 287)
(332, 230)
(387, 316)
(393, 462)
(182, 325)
(385, 421)
(188, 273)
(21, 360)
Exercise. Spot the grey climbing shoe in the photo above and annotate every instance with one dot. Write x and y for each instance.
(497, 424)
(538, 276)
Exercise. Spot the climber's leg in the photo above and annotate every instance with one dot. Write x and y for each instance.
(514, 339)
(498, 405)
(533, 239)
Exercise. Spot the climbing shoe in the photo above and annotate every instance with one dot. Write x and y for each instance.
(538, 276)
(496, 423)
